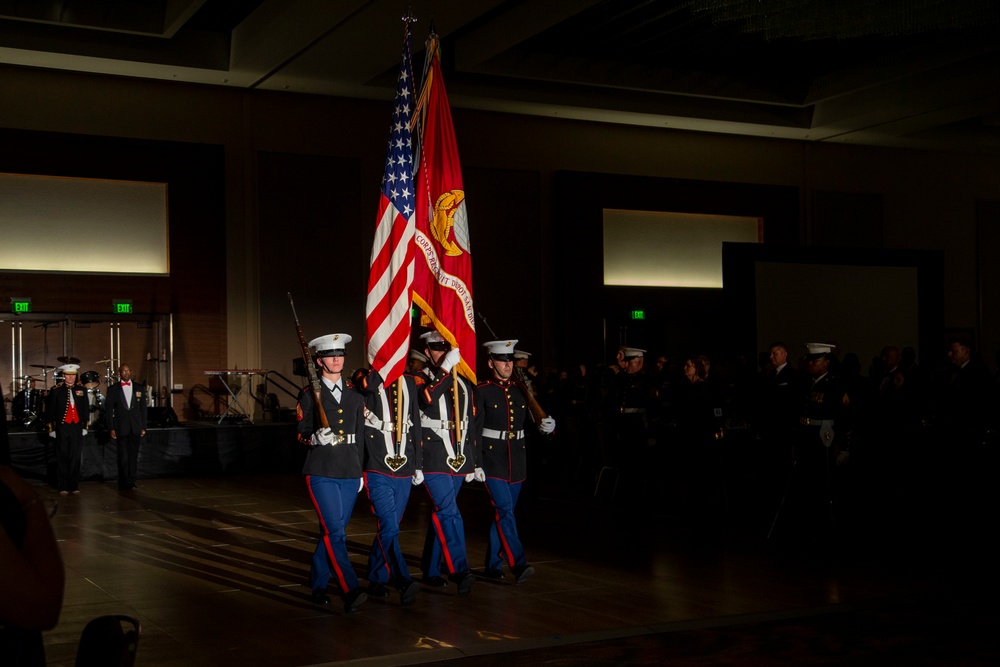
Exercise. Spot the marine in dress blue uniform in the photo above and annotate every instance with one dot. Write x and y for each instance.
(822, 436)
(392, 465)
(448, 461)
(68, 411)
(500, 413)
(333, 468)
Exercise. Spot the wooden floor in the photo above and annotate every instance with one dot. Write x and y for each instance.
(215, 569)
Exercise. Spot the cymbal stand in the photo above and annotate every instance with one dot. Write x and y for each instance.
(45, 350)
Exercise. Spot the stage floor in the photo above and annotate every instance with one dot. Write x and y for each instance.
(193, 448)
(215, 569)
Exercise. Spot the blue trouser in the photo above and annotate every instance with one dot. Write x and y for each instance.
(388, 496)
(446, 526)
(504, 542)
(334, 501)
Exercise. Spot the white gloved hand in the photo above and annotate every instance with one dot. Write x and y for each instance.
(479, 475)
(371, 419)
(418, 477)
(323, 436)
(52, 434)
(468, 478)
(547, 425)
(84, 431)
(361, 483)
(451, 359)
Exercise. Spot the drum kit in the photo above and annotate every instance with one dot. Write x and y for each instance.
(28, 404)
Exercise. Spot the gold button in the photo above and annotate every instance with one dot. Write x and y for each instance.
(340, 421)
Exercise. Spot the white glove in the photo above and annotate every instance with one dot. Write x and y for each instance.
(85, 431)
(361, 483)
(52, 434)
(371, 419)
(418, 477)
(451, 359)
(479, 475)
(323, 436)
(547, 425)
(468, 478)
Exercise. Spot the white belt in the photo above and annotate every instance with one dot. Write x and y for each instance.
(386, 427)
(349, 438)
(502, 435)
(441, 424)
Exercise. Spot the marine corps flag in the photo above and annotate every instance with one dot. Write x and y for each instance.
(442, 280)
(387, 308)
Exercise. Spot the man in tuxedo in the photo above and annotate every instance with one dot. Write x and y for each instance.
(780, 396)
(125, 418)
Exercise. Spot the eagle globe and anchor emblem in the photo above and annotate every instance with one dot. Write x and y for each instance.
(450, 221)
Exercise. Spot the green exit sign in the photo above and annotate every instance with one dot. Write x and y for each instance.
(638, 314)
(122, 307)
(18, 306)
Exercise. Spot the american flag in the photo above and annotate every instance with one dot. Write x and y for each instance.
(391, 277)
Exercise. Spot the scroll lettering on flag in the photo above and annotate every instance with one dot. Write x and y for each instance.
(442, 278)
(390, 280)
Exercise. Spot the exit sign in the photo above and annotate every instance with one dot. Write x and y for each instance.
(122, 307)
(18, 306)
(638, 314)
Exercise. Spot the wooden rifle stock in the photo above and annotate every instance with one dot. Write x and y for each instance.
(536, 410)
(314, 380)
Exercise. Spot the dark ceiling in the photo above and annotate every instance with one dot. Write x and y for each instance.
(909, 73)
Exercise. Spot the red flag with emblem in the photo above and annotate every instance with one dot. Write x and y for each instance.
(442, 278)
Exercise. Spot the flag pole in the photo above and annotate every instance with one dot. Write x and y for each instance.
(409, 19)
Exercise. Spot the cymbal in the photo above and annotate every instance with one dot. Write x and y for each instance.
(105, 361)
(40, 366)
(69, 360)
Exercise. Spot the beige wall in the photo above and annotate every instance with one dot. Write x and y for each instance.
(929, 199)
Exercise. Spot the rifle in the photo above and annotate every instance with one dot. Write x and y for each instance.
(314, 381)
(536, 410)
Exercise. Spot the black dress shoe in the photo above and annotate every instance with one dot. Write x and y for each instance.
(353, 600)
(435, 582)
(464, 581)
(492, 574)
(522, 573)
(377, 590)
(319, 596)
(408, 593)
